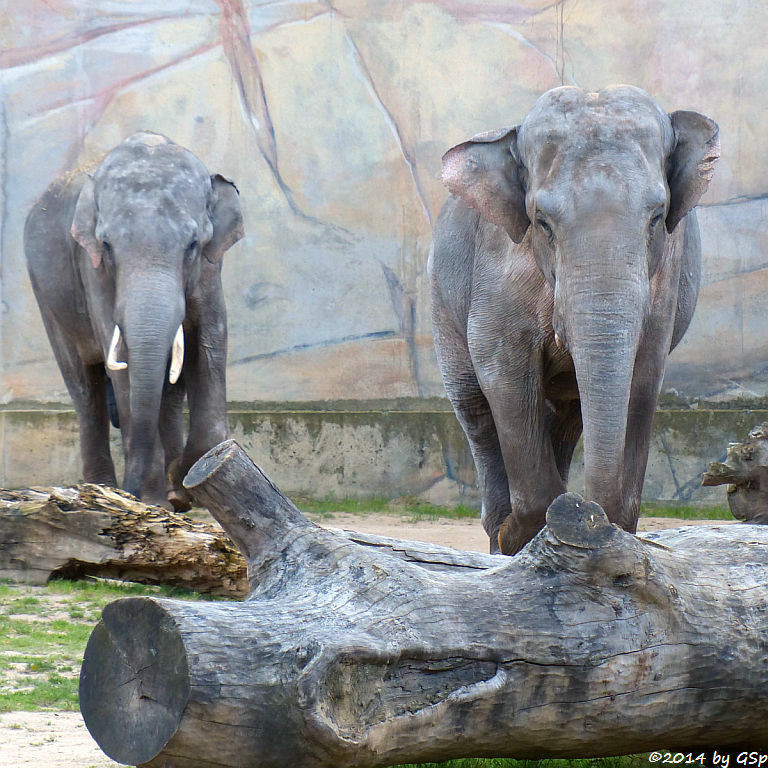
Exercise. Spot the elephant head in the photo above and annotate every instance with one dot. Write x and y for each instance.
(155, 225)
(594, 185)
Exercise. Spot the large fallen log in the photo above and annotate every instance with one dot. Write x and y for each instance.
(90, 530)
(371, 652)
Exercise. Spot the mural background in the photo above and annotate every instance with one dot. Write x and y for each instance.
(331, 117)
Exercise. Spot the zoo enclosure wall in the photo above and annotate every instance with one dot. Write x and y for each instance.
(378, 449)
(332, 118)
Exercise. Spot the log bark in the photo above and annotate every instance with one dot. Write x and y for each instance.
(745, 471)
(90, 530)
(362, 651)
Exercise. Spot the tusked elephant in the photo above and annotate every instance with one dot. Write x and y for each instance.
(125, 265)
(564, 269)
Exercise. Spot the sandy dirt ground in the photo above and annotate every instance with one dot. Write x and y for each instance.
(61, 740)
(461, 534)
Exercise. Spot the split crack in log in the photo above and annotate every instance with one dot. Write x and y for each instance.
(589, 642)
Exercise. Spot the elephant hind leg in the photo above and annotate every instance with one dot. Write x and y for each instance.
(475, 417)
(474, 414)
(114, 414)
(565, 433)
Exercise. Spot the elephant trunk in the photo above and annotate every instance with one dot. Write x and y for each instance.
(151, 328)
(603, 322)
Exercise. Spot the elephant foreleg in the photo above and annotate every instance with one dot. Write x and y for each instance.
(205, 381)
(153, 489)
(171, 429)
(93, 419)
(522, 416)
(646, 385)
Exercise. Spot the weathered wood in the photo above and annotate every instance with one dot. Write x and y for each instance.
(90, 530)
(745, 470)
(353, 652)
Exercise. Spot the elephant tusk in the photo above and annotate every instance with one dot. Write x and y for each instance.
(177, 356)
(112, 362)
(558, 342)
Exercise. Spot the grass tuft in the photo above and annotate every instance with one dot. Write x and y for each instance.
(684, 511)
(410, 507)
(415, 509)
(628, 761)
(43, 633)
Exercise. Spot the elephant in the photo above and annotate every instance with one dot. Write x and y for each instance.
(564, 268)
(125, 264)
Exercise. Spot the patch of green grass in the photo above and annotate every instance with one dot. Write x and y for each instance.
(59, 693)
(27, 604)
(103, 591)
(628, 761)
(414, 509)
(40, 665)
(40, 654)
(331, 505)
(684, 512)
(57, 636)
(406, 506)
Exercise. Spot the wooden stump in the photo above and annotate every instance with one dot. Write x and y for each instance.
(364, 651)
(745, 471)
(90, 530)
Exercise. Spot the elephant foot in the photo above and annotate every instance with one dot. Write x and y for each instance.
(177, 495)
(514, 535)
(179, 501)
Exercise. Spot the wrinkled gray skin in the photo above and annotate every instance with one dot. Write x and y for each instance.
(138, 245)
(565, 268)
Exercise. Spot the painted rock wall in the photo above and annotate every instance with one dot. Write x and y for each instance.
(331, 117)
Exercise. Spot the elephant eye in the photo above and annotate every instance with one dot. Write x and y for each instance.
(658, 216)
(544, 226)
(189, 254)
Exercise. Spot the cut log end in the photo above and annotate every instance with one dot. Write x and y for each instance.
(249, 506)
(135, 673)
(207, 466)
(579, 523)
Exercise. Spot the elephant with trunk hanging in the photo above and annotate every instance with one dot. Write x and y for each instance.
(125, 265)
(565, 267)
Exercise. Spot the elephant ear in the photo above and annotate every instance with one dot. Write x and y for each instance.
(226, 217)
(692, 162)
(486, 174)
(83, 227)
